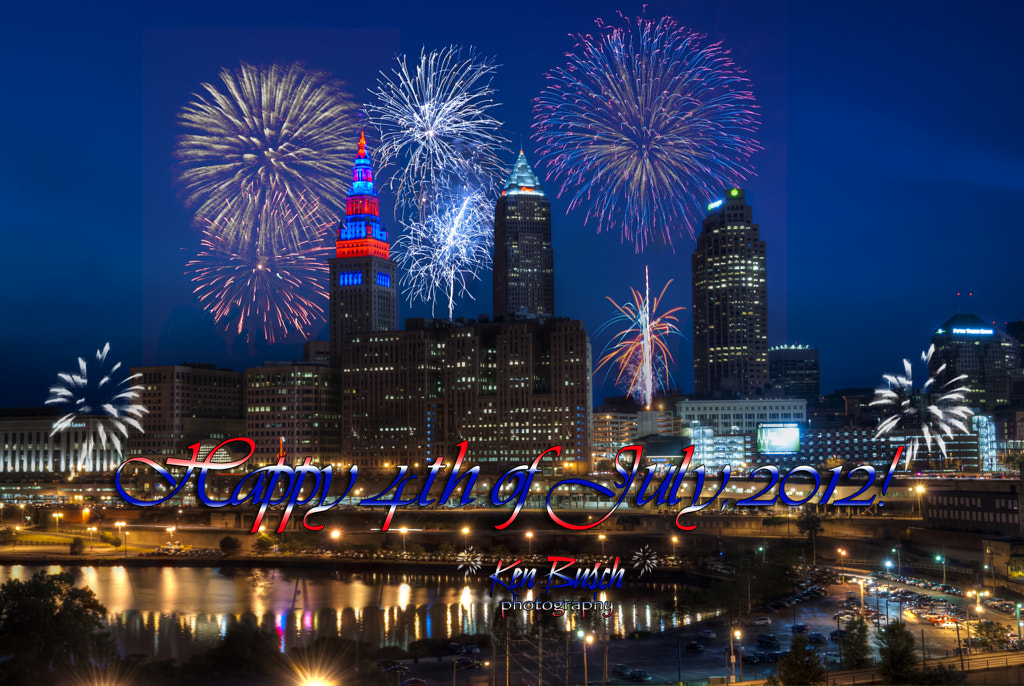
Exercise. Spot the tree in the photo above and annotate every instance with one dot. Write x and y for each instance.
(77, 545)
(896, 650)
(854, 644)
(941, 675)
(809, 522)
(47, 628)
(110, 539)
(264, 544)
(8, 535)
(801, 666)
(229, 545)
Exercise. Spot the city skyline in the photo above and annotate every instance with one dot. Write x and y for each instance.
(118, 274)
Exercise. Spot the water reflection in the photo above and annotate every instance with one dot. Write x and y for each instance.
(171, 612)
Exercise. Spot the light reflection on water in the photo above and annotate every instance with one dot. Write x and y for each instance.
(173, 612)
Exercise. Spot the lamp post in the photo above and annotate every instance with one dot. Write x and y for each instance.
(920, 490)
(1, 514)
(740, 645)
(675, 540)
(942, 559)
(126, 544)
(119, 525)
(529, 541)
(589, 639)
(1018, 626)
(899, 561)
(404, 532)
(732, 658)
(763, 552)
(85, 515)
(465, 537)
(842, 557)
(336, 536)
(601, 537)
(58, 516)
(91, 529)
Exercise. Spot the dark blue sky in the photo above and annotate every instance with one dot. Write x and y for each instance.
(891, 177)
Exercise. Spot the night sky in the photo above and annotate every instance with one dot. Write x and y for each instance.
(892, 174)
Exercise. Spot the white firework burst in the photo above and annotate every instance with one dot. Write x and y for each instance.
(469, 561)
(266, 131)
(441, 255)
(645, 559)
(435, 123)
(103, 397)
(931, 413)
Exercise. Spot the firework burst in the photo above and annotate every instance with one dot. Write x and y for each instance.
(931, 414)
(268, 131)
(102, 395)
(640, 350)
(644, 125)
(645, 559)
(469, 561)
(435, 123)
(248, 289)
(443, 254)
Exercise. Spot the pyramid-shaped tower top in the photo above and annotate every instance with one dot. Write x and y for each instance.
(522, 180)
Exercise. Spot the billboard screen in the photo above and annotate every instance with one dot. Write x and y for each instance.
(778, 438)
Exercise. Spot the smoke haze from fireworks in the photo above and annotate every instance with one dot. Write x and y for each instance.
(266, 131)
(640, 350)
(643, 126)
(102, 395)
(441, 255)
(931, 413)
(436, 125)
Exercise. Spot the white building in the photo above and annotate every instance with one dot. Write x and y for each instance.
(740, 416)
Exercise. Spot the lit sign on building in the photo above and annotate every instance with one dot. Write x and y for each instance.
(778, 438)
(974, 332)
(715, 205)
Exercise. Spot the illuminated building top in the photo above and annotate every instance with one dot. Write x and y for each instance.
(522, 180)
(361, 232)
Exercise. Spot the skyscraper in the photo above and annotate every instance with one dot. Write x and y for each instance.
(986, 355)
(793, 370)
(364, 280)
(730, 301)
(524, 264)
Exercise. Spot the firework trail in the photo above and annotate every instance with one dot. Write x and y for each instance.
(640, 350)
(931, 415)
(247, 289)
(435, 124)
(643, 126)
(645, 559)
(441, 255)
(101, 395)
(269, 131)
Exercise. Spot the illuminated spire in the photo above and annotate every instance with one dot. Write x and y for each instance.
(362, 145)
(522, 179)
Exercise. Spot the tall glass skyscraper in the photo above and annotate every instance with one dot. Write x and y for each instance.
(730, 302)
(524, 264)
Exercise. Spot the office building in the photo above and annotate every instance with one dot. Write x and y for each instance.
(730, 302)
(297, 402)
(512, 389)
(741, 416)
(987, 356)
(27, 446)
(793, 371)
(524, 270)
(364, 280)
(187, 404)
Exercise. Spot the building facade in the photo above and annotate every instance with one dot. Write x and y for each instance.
(364, 280)
(793, 371)
(987, 356)
(524, 271)
(512, 389)
(187, 404)
(296, 402)
(28, 444)
(730, 302)
(741, 416)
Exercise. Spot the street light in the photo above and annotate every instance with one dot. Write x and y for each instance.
(58, 516)
(91, 529)
(465, 537)
(589, 638)
(739, 644)
(1018, 626)
(842, 557)
(529, 541)
(940, 558)
(85, 515)
(675, 539)
(899, 560)
(920, 490)
(404, 532)
(118, 525)
(601, 537)
(763, 552)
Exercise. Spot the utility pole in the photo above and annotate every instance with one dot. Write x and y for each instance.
(540, 657)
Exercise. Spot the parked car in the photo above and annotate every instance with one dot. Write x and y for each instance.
(694, 647)
(639, 675)
(707, 633)
(624, 670)
(816, 637)
(761, 621)
(799, 628)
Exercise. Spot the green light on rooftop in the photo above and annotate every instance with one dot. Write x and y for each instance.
(734, 192)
